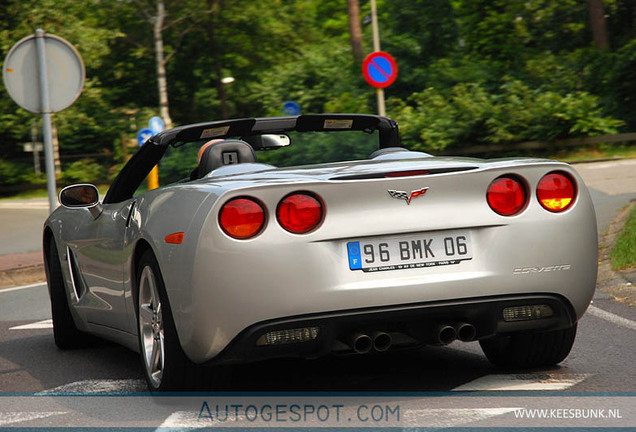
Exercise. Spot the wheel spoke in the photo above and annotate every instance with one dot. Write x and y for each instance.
(155, 357)
(145, 314)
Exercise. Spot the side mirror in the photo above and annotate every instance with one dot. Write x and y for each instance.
(81, 196)
(267, 141)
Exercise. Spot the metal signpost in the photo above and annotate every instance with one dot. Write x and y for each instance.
(155, 125)
(44, 74)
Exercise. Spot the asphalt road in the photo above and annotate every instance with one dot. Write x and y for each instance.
(595, 386)
(21, 223)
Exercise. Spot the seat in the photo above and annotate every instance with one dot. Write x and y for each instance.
(226, 152)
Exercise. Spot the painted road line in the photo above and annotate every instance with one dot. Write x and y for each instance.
(9, 418)
(452, 417)
(613, 318)
(46, 324)
(99, 386)
(523, 382)
(22, 287)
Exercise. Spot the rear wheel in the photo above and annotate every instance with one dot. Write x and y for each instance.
(166, 366)
(529, 350)
(65, 333)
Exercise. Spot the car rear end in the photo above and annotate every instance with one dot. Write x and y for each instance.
(389, 255)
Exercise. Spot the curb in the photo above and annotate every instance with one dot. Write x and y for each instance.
(620, 285)
(22, 276)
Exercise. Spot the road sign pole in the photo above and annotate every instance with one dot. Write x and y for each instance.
(381, 106)
(47, 133)
(376, 47)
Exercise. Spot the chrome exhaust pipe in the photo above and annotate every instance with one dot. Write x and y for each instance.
(382, 341)
(465, 332)
(361, 343)
(445, 334)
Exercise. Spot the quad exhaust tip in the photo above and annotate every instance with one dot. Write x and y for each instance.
(466, 332)
(363, 343)
(446, 333)
(443, 334)
(382, 341)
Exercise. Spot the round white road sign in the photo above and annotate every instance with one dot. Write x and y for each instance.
(64, 69)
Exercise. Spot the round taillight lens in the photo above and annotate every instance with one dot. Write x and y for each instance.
(242, 218)
(556, 192)
(507, 196)
(299, 213)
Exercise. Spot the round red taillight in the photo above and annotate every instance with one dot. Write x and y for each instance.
(242, 218)
(556, 192)
(299, 213)
(507, 196)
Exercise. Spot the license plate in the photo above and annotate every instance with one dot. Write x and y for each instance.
(408, 252)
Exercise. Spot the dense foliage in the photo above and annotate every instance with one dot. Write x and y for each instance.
(471, 71)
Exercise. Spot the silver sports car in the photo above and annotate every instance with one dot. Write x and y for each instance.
(241, 258)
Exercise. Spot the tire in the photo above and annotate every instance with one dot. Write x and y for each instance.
(165, 365)
(65, 333)
(529, 350)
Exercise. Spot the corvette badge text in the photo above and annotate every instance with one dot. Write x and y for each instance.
(530, 270)
(213, 413)
(407, 196)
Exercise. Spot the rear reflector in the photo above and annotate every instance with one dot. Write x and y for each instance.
(175, 238)
(526, 313)
(242, 218)
(299, 213)
(556, 192)
(507, 195)
(282, 337)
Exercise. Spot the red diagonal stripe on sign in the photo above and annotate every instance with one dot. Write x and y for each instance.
(387, 76)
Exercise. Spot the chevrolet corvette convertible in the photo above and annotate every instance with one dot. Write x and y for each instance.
(252, 253)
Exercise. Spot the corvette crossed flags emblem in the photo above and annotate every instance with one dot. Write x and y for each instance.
(406, 196)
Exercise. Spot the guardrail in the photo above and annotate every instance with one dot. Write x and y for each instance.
(541, 145)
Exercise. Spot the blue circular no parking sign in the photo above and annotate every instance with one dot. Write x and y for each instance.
(379, 69)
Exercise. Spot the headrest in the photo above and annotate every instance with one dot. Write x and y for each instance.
(226, 152)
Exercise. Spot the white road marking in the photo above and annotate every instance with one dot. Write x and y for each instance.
(451, 417)
(182, 419)
(613, 318)
(46, 324)
(99, 386)
(10, 417)
(35, 285)
(523, 382)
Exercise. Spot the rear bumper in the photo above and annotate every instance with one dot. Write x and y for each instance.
(410, 326)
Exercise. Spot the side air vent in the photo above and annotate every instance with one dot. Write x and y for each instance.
(79, 288)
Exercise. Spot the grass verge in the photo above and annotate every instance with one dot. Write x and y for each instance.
(623, 255)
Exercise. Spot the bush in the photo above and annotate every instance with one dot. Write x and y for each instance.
(470, 114)
(14, 173)
(83, 171)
